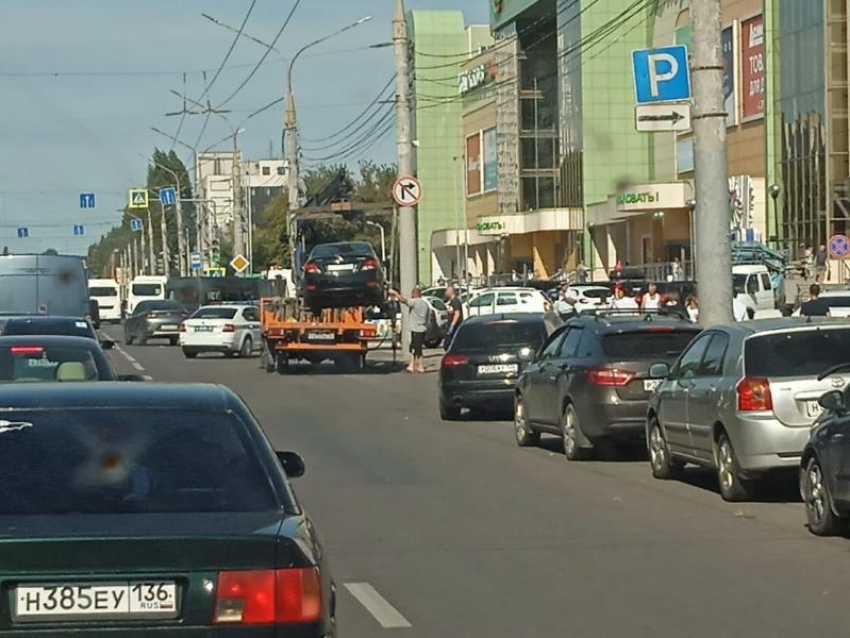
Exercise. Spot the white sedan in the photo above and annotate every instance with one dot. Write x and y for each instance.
(229, 329)
(508, 300)
(589, 297)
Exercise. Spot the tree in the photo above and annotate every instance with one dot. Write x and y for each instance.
(50, 251)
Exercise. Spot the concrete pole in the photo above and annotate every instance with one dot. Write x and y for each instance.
(151, 248)
(236, 178)
(292, 170)
(714, 250)
(408, 256)
(166, 255)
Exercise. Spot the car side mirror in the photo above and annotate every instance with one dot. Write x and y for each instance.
(132, 378)
(659, 371)
(833, 401)
(107, 344)
(292, 464)
(526, 355)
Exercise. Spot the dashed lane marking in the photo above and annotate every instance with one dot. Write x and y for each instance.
(386, 615)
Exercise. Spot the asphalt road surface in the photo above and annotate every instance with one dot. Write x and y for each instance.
(449, 530)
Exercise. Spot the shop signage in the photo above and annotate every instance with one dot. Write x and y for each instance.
(491, 160)
(482, 227)
(652, 197)
(752, 68)
(473, 78)
(637, 198)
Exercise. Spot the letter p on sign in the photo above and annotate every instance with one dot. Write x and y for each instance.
(661, 75)
(657, 62)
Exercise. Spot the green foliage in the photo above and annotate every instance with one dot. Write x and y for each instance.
(50, 251)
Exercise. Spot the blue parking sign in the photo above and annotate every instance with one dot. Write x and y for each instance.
(662, 74)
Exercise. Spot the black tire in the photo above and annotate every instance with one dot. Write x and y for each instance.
(449, 412)
(230, 354)
(247, 348)
(189, 354)
(663, 467)
(174, 340)
(569, 432)
(282, 364)
(524, 434)
(820, 515)
(733, 488)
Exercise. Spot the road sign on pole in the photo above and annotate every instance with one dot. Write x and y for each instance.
(87, 200)
(23, 233)
(139, 198)
(79, 230)
(839, 246)
(168, 196)
(652, 118)
(661, 75)
(240, 263)
(195, 261)
(407, 191)
(136, 225)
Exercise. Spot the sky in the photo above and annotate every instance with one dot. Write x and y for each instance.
(83, 82)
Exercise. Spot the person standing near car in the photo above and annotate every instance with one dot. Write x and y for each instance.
(820, 264)
(420, 311)
(651, 301)
(622, 301)
(455, 313)
(815, 307)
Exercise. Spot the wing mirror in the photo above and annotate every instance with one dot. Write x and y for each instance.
(292, 464)
(107, 344)
(659, 371)
(833, 401)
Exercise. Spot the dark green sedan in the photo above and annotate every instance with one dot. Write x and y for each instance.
(151, 510)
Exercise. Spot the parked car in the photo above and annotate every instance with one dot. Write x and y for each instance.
(485, 358)
(440, 291)
(342, 274)
(742, 399)
(231, 329)
(824, 480)
(155, 320)
(505, 300)
(589, 297)
(49, 358)
(631, 278)
(149, 509)
(752, 284)
(440, 316)
(590, 382)
(838, 300)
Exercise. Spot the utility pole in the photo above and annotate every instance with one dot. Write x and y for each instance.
(292, 169)
(404, 148)
(151, 248)
(163, 229)
(236, 178)
(714, 254)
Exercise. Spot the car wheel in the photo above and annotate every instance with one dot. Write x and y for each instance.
(819, 513)
(525, 436)
(189, 354)
(732, 487)
(570, 429)
(449, 412)
(174, 340)
(663, 466)
(282, 364)
(247, 348)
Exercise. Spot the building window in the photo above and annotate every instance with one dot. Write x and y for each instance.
(280, 170)
(267, 170)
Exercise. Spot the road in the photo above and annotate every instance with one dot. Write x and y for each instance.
(448, 529)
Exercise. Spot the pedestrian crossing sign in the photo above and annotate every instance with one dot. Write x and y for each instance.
(139, 198)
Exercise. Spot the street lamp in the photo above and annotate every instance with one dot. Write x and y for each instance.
(292, 131)
(383, 239)
(775, 190)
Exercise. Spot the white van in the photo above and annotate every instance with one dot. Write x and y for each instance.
(144, 288)
(753, 286)
(107, 293)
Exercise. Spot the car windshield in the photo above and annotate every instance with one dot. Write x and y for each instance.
(103, 291)
(139, 460)
(146, 290)
(214, 313)
(498, 335)
(595, 293)
(798, 353)
(354, 249)
(39, 364)
(645, 344)
(70, 327)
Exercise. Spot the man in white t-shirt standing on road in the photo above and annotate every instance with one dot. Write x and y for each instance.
(420, 312)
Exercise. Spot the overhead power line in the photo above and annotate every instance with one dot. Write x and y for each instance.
(230, 50)
(377, 99)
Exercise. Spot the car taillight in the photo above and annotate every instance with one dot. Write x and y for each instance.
(754, 394)
(311, 267)
(26, 349)
(228, 327)
(454, 360)
(265, 597)
(370, 264)
(610, 376)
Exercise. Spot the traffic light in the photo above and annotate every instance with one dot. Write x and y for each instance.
(216, 251)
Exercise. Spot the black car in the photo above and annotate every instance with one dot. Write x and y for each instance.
(44, 359)
(589, 383)
(154, 319)
(341, 275)
(152, 510)
(67, 326)
(486, 356)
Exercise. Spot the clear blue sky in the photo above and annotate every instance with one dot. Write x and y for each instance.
(82, 82)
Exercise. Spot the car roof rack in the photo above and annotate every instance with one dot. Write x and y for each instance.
(639, 314)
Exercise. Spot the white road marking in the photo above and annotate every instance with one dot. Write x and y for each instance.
(148, 377)
(386, 615)
(138, 366)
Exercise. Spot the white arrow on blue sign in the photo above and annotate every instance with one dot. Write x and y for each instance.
(136, 225)
(195, 260)
(87, 200)
(167, 196)
(662, 74)
(23, 233)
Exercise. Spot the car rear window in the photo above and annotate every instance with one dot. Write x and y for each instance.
(596, 293)
(147, 290)
(103, 291)
(215, 313)
(74, 328)
(491, 335)
(38, 364)
(139, 460)
(645, 344)
(796, 354)
(357, 249)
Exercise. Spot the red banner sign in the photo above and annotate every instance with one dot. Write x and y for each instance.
(752, 68)
(473, 164)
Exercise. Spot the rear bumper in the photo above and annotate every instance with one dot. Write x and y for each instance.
(157, 330)
(110, 314)
(209, 343)
(764, 443)
(494, 395)
(609, 419)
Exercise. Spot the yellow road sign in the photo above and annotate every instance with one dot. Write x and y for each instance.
(239, 263)
(139, 198)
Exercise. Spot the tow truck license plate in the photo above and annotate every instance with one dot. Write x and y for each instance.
(96, 601)
(321, 336)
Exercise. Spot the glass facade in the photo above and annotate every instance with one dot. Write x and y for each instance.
(569, 39)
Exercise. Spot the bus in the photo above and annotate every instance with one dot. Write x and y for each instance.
(107, 293)
(145, 287)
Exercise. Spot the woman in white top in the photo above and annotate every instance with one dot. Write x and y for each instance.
(652, 299)
(692, 306)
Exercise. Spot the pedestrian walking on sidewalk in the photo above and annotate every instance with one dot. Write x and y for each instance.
(820, 264)
(419, 313)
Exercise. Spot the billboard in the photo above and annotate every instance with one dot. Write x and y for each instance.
(491, 163)
(752, 68)
(727, 47)
(473, 164)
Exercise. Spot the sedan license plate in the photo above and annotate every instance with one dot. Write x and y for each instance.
(96, 601)
(321, 336)
(340, 267)
(813, 409)
(169, 327)
(499, 368)
(203, 328)
(650, 384)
